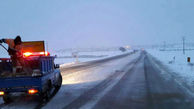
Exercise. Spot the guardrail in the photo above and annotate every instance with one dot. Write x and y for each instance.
(89, 63)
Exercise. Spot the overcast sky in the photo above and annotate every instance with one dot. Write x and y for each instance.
(97, 23)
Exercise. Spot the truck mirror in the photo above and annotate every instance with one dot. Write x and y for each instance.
(57, 66)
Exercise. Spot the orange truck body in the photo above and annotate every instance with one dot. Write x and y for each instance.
(33, 46)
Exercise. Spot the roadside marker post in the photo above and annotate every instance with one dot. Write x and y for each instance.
(188, 59)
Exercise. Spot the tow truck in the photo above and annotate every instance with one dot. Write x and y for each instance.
(38, 76)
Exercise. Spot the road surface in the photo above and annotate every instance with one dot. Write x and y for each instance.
(134, 81)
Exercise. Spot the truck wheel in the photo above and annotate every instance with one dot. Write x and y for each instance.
(7, 98)
(44, 96)
(59, 82)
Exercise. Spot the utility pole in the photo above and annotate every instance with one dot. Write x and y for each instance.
(183, 45)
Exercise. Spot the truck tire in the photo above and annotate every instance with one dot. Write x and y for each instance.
(7, 98)
(59, 82)
(48, 91)
(44, 96)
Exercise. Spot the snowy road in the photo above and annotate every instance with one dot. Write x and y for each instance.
(135, 81)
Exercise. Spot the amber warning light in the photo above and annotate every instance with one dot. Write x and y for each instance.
(2, 93)
(32, 91)
(28, 54)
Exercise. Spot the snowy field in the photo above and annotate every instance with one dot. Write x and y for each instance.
(66, 58)
(177, 63)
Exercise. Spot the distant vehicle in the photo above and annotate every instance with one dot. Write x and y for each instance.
(39, 75)
(122, 49)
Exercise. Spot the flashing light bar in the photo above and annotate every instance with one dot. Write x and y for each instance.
(32, 91)
(28, 54)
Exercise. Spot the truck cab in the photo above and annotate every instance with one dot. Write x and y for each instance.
(38, 75)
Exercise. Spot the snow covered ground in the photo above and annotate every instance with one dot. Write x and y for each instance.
(66, 58)
(177, 62)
